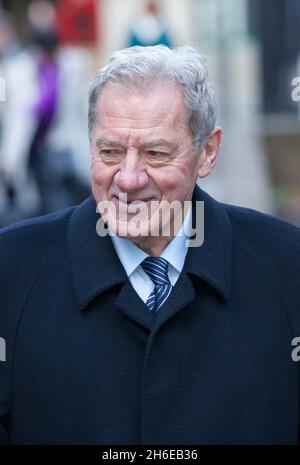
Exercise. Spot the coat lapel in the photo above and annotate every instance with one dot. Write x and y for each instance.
(95, 266)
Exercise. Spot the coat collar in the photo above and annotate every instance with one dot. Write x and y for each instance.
(212, 261)
(95, 265)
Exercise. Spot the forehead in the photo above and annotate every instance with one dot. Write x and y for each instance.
(160, 106)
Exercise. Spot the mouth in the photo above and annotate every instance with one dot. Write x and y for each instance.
(130, 201)
(131, 204)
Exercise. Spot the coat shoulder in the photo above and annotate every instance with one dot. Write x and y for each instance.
(35, 238)
(275, 245)
(262, 229)
(25, 248)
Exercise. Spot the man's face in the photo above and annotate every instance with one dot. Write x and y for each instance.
(141, 146)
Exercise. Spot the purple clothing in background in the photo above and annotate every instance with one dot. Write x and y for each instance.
(44, 110)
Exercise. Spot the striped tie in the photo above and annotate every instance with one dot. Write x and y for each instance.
(157, 269)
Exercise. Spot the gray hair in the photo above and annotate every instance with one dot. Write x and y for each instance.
(140, 66)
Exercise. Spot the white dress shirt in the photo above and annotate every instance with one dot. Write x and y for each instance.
(131, 256)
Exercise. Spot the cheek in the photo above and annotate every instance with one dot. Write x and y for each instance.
(172, 177)
(99, 182)
(97, 174)
(164, 179)
(175, 182)
(101, 174)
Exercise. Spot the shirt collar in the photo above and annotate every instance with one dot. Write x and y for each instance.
(89, 253)
(129, 254)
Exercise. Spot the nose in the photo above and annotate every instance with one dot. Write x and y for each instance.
(131, 175)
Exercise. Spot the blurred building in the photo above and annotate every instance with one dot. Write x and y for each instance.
(276, 26)
(252, 47)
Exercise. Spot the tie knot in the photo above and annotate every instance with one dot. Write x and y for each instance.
(157, 269)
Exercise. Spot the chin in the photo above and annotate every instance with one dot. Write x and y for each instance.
(130, 231)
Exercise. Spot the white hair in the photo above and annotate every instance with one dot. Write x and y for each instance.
(139, 67)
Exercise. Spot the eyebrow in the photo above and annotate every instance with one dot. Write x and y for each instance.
(102, 141)
(159, 142)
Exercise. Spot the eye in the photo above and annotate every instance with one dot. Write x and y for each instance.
(158, 157)
(110, 154)
(109, 151)
(156, 153)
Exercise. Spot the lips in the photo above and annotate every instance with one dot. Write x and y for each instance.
(131, 206)
(129, 201)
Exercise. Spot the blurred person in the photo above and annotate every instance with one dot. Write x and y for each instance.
(9, 43)
(9, 47)
(117, 333)
(41, 16)
(36, 112)
(149, 29)
(32, 89)
(45, 42)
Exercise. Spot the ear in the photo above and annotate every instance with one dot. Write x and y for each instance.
(209, 152)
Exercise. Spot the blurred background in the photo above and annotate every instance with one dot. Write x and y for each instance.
(51, 50)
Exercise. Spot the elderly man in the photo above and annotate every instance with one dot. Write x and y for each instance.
(120, 333)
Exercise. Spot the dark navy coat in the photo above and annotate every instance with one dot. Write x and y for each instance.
(87, 363)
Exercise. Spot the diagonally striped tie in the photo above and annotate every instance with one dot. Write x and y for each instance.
(157, 269)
